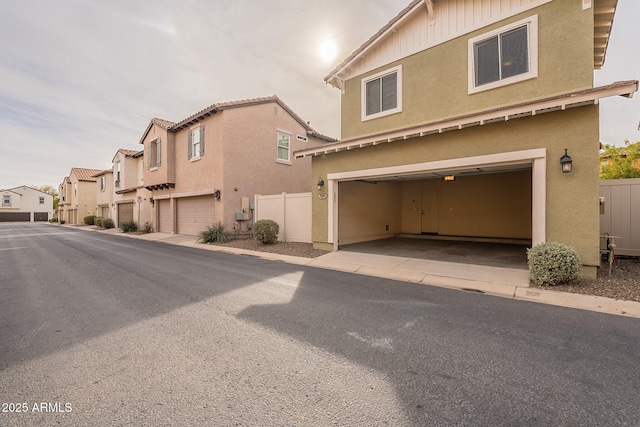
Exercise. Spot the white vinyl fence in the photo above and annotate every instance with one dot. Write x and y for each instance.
(621, 213)
(292, 212)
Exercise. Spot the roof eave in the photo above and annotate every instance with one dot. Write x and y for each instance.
(560, 102)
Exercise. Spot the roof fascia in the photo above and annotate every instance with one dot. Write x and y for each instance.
(562, 102)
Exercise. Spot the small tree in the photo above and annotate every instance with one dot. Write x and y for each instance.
(620, 162)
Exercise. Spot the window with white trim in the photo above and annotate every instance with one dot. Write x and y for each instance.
(284, 144)
(196, 143)
(103, 183)
(382, 94)
(41, 200)
(504, 56)
(6, 201)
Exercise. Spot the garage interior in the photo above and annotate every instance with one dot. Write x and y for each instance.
(477, 215)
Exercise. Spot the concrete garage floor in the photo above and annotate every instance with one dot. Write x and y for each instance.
(506, 255)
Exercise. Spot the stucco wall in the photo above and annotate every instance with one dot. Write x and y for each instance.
(435, 81)
(572, 214)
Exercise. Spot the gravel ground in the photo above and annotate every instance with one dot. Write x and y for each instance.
(623, 284)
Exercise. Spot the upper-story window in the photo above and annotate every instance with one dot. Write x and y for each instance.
(103, 182)
(154, 153)
(504, 56)
(284, 147)
(75, 189)
(196, 143)
(41, 200)
(6, 201)
(382, 94)
(117, 177)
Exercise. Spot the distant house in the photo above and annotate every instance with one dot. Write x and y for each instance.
(78, 195)
(208, 167)
(25, 204)
(132, 200)
(455, 118)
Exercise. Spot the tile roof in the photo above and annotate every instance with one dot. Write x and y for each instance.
(128, 153)
(214, 108)
(104, 172)
(85, 174)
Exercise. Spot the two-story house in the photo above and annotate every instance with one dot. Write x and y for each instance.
(77, 195)
(208, 167)
(470, 119)
(25, 204)
(132, 200)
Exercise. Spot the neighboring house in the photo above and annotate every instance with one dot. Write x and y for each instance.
(25, 204)
(132, 200)
(207, 168)
(78, 195)
(455, 117)
(104, 193)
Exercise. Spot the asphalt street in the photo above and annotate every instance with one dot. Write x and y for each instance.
(98, 329)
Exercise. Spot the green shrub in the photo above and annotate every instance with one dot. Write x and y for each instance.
(552, 263)
(147, 228)
(54, 219)
(98, 221)
(108, 223)
(266, 231)
(214, 233)
(89, 219)
(62, 221)
(129, 226)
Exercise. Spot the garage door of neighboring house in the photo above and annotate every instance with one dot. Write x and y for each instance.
(14, 216)
(125, 213)
(164, 216)
(41, 216)
(195, 214)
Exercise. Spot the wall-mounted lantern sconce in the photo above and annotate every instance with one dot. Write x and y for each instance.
(216, 194)
(566, 162)
(449, 178)
(320, 183)
(152, 201)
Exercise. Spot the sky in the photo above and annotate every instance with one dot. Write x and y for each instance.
(80, 79)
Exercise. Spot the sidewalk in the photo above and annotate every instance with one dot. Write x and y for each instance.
(504, 282)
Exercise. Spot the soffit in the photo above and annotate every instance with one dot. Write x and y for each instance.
(557, 103)
(603, 14)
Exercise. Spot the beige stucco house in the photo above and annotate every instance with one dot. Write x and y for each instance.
(104, 193)
(455, 117)
(77, 195)
(132, 201)
(25, 204)
(208, 167)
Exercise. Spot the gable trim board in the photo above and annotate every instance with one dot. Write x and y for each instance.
(557, 103)
(417, 28)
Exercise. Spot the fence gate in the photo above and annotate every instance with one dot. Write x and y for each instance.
(620, 213)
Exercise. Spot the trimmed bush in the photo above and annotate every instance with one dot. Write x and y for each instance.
(55, 219)
(214, 233)
(108, 223)
(129, 226)
(147, 228)
(62, 221)
(90, 219)
(266, 231)
(98, 221)
(552, 263)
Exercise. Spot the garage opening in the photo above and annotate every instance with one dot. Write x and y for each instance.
(484, 201)
(125, 213)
